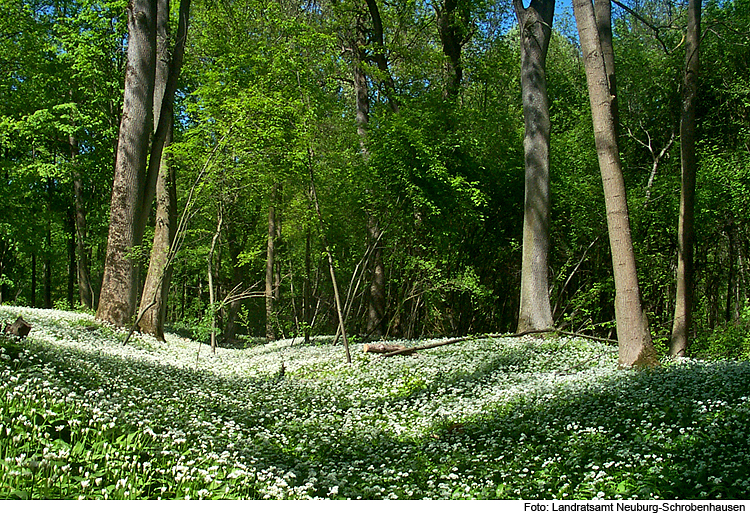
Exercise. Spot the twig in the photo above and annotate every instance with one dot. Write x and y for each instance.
(575, 270)
(337, 297)
(181, 231)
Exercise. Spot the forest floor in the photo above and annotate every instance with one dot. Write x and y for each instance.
(84, 416)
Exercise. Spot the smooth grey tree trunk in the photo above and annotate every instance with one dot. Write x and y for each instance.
(535, 24)
(686, 226)
(603, 9)
(119, 283)
(633, 335)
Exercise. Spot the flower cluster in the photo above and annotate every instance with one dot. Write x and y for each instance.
(85, 416)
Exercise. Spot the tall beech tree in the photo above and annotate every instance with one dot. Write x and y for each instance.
(633, 334)
(603, 12)
(153, 308)
(535, 23)
(129, 189)
(686, 226)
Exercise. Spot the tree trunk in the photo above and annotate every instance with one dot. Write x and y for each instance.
(165, 85)
(119, 284)
(239, 274)
(379, 53)
(153, 309)
(278, 251)
(633, 335)
(453, 21)
(603, 10)
(211, 290)
(270, 264)
(48, 251)
(536, 28)
(33, 280)
(376, 299)
(71, 257)
(686, 227)
(731, 269)
(306, 288)
(85, 290)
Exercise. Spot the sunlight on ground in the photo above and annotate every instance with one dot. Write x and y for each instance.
(492, 418)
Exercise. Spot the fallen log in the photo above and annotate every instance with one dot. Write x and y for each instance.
(413, 349)
(381, 348)
(19, 329)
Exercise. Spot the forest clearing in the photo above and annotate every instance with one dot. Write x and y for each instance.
(506, 418)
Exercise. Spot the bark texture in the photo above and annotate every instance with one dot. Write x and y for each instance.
(603, 9)
(119, 283)
(376, 300)
(633, 335)
(535, 22)
(153, 308)
(85, 291)
(686, 227)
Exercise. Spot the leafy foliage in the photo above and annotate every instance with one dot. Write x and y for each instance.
(266, 101)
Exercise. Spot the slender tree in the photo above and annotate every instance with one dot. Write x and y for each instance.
(85, 291)
(376, 300)
(634, 337)
(270, 267)
(535, 23)
(686, 227)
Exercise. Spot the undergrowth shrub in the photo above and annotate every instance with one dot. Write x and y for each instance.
(728, 341)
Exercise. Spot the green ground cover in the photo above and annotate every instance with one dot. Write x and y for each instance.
(84, 416)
